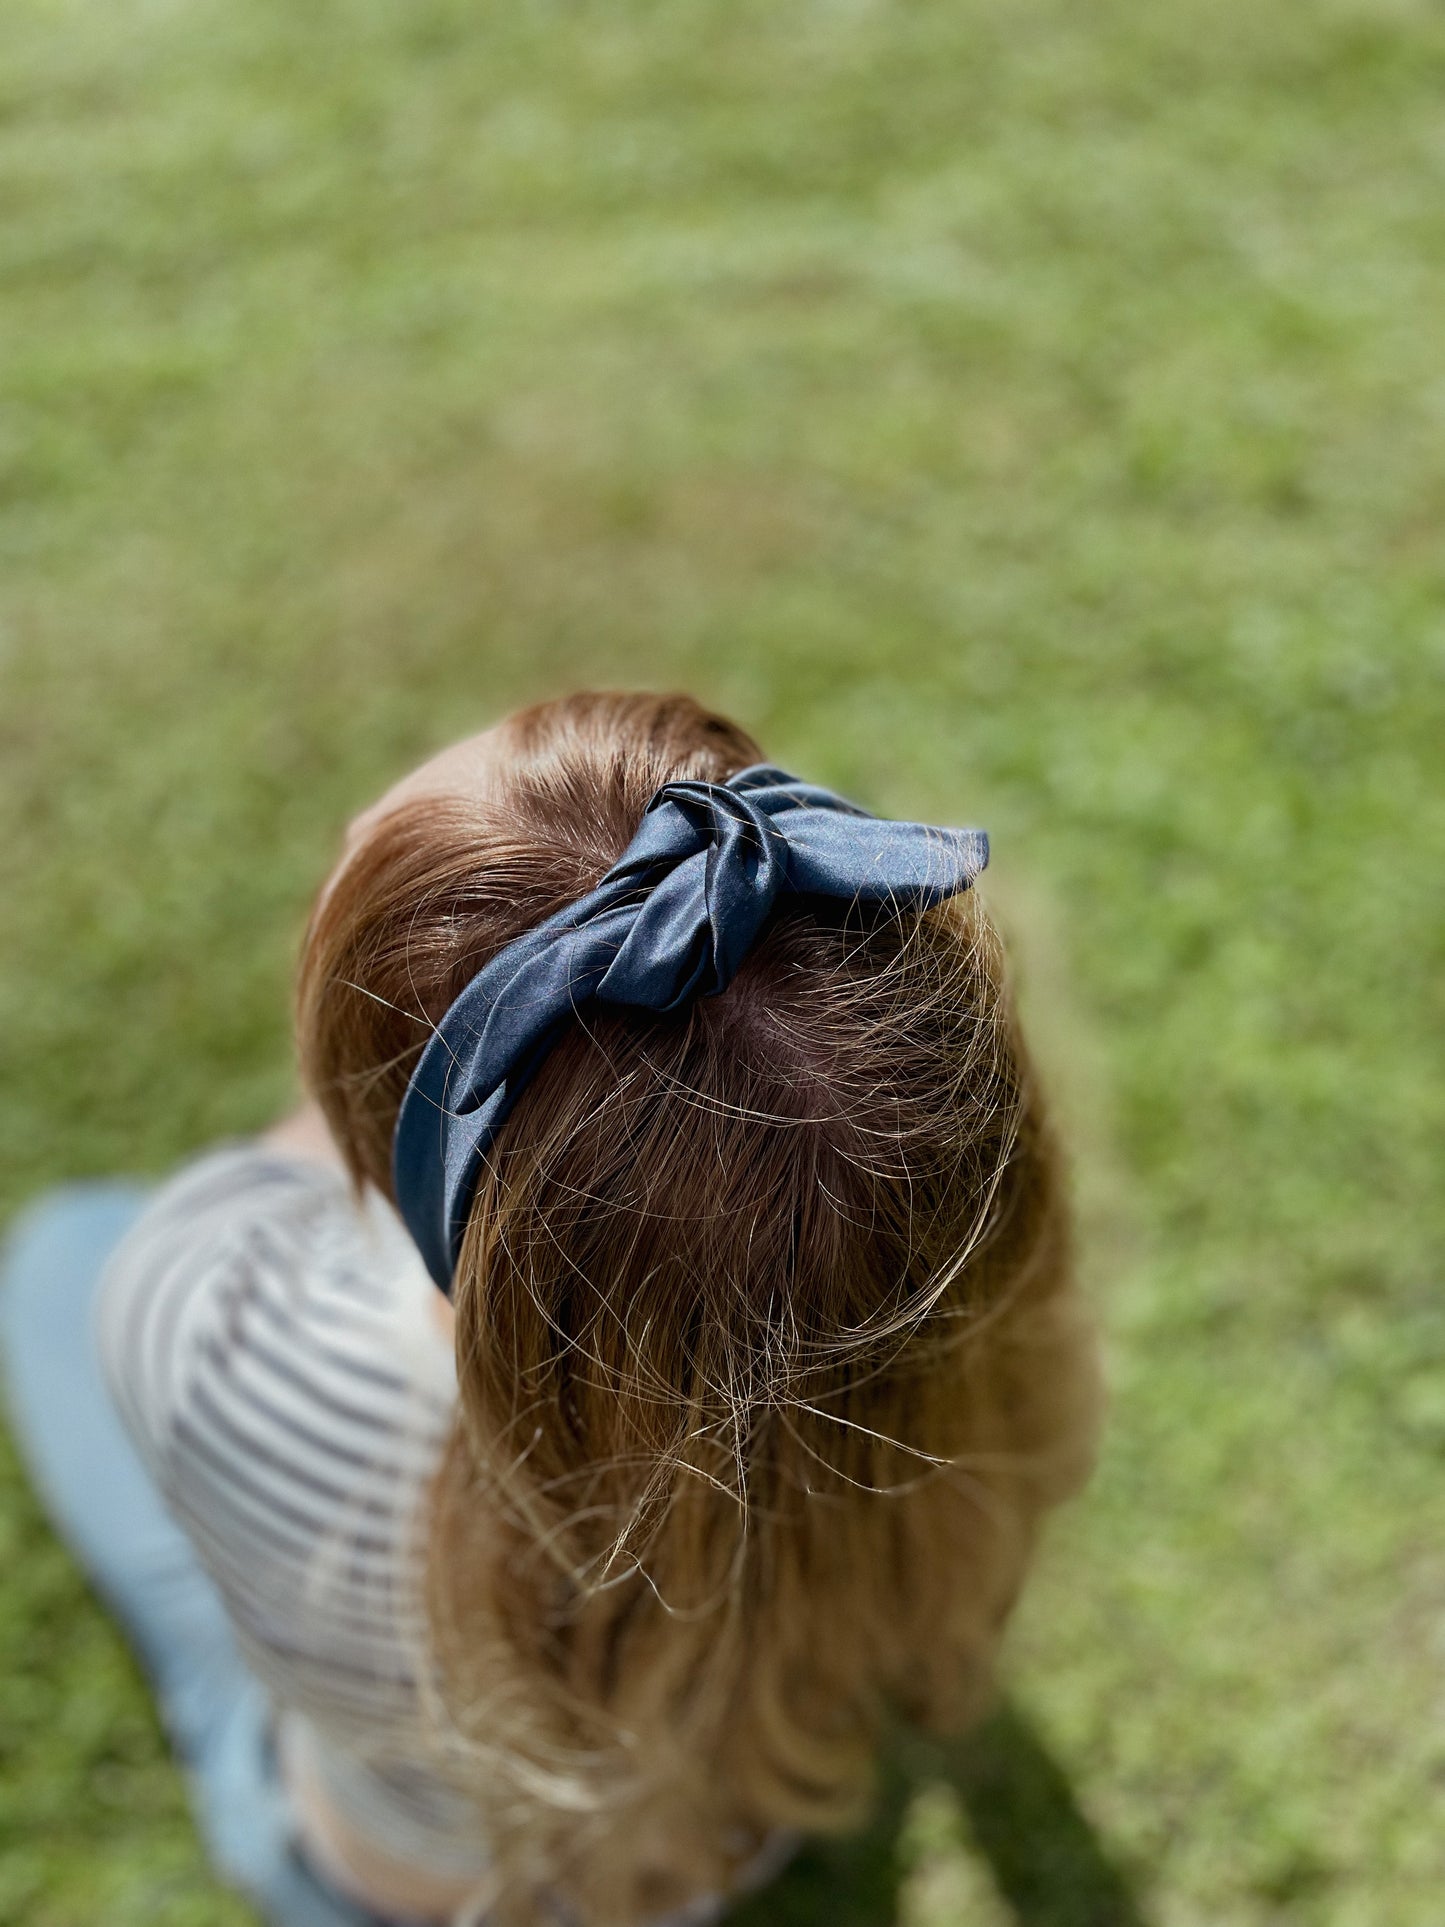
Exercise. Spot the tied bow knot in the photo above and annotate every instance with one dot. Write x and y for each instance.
(701, 847)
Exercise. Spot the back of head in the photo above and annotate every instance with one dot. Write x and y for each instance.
(767, 1346)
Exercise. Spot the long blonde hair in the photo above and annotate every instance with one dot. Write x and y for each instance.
(769, 1353)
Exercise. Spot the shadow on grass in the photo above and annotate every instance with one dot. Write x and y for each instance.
(1047, 1862)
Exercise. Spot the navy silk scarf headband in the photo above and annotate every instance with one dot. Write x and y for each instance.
(671, 920)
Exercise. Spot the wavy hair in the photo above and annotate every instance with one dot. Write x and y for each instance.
(769, 1351)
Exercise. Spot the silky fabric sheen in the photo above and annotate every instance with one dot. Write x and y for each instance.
(671, 921)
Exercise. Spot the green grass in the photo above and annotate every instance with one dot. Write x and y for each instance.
(1014, 411)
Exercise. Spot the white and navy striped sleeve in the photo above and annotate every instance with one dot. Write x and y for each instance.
(269, 1345)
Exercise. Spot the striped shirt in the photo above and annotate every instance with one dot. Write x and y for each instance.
(271, 1346)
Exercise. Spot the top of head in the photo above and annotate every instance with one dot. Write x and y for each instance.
(672, 921)
(726, 1201)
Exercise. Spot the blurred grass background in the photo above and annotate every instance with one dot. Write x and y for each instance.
(1014, 411)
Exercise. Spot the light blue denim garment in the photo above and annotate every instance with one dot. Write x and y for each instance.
(103, 1503)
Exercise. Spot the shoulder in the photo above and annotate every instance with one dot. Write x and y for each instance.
(253, 1271)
